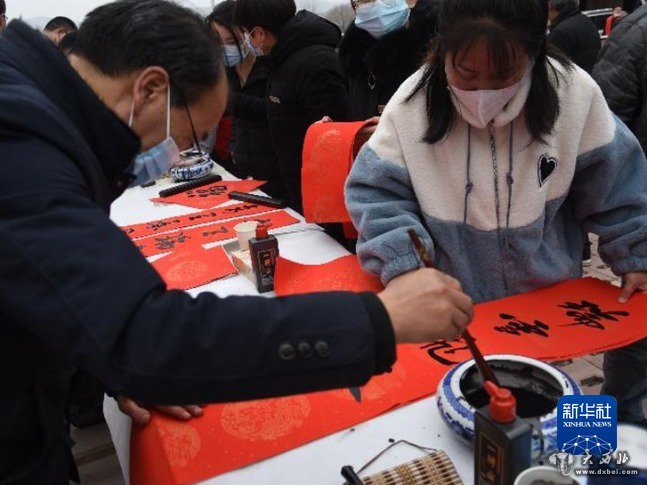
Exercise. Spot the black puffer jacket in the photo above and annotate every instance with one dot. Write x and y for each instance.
(305, 85)
(251, 145)
(576, 36)
(76, 292)
(375, 68)
(621, 72)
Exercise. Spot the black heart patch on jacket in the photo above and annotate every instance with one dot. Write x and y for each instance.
(545, 169)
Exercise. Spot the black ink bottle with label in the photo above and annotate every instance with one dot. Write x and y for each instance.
(502, 440)
(264, 250)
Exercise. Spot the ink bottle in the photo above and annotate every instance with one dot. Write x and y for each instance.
(502, 440)
(264, 250)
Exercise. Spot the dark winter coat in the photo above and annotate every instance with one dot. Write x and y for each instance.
(305, 85)
(76, 292)
(576, 36)
(252, 150)
(621, 72)
(374, 69)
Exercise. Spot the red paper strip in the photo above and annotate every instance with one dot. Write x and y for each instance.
(343, 274)
(212, 195)
(165, 243)
(172, 223)
(329, 151)
(567, 320)
(194, 266)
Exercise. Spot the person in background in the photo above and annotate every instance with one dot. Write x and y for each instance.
(305, 83)
(621, 72)
(252, 152)
(66, 45)
(3, 15)
(574, 33)
(57, 28)
(380, 50)
(618, 15)
(75, 292)
(497, 153)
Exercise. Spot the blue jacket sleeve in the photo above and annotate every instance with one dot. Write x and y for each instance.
(383, 206)
(609, 191)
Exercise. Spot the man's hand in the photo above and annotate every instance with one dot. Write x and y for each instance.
(631, 283)
(427, 305)
(141, 416)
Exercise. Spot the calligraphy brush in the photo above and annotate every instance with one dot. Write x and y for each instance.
(486, 372)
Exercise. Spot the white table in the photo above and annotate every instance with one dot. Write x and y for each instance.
(320, 462)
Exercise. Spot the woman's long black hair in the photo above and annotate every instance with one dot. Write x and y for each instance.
(503, 25)
(223, 14)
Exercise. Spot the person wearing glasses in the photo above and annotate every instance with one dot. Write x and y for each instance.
(76, 293)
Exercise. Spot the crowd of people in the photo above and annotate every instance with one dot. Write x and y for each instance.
(502, 146)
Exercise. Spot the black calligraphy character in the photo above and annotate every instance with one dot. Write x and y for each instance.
(128, 230)
(515, 326)
(590, 314)
(169, 242)
(446, 348)
(157, 225)
(215, 232)
(235, 210)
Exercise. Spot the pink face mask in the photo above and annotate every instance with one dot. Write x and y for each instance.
(483, 106)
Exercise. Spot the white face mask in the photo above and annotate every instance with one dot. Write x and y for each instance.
(485, 105)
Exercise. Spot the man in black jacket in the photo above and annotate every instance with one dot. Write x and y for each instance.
(621, 72)
(74, 290)
(574, 33)
(305, 84)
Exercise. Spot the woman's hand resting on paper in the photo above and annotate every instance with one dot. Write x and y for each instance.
(141, 416)
(426, 305)
(631, 283)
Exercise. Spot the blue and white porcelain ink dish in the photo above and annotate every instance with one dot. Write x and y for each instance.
(536, 385)
(194, 165)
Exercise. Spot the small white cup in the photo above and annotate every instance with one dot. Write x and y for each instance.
(245, 231)
(542, 474)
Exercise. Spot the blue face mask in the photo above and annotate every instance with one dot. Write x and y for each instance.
(382, 16)
(233, 56)
(154, 163)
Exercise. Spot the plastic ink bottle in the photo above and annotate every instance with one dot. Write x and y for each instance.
(264, 250)
(502, 440)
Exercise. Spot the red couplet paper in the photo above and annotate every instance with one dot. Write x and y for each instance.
(172, 223)
(329, 151)
(567, 320)
(340, 275)
(212, 195)
(172, 241)
(194, 266)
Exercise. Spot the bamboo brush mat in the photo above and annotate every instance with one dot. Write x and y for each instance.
(433, 469)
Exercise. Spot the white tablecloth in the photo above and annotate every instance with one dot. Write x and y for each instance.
(320, 462)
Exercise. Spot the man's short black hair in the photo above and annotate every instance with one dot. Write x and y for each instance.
(3, 7)
(66, 45)
(272, 15)
(122, 37)
(61, 23)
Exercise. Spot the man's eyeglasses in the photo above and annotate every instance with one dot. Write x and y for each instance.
(4, 17)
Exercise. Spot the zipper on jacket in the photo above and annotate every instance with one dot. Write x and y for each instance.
(497, 203)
